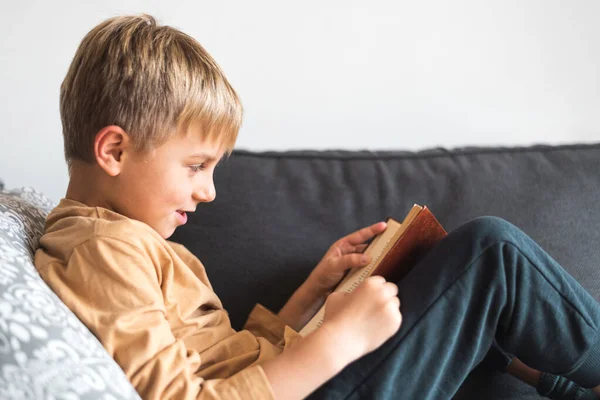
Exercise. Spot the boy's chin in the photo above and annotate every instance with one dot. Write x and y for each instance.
(167, 234)
(165, 231)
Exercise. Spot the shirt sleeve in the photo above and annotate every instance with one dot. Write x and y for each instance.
(115, 289)
(262, 322)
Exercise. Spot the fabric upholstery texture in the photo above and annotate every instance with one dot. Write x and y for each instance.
(45, 351)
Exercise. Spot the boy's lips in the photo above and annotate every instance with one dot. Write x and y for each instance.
(182, 216)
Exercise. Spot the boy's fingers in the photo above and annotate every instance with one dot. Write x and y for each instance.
(347, 261)
(364, 234)
(360, 248)
(395, 301)
(391, 289)
(376, 280)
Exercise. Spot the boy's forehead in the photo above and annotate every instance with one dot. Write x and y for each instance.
(204, 149)
(200, 146)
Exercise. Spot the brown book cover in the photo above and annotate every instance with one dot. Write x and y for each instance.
(421, 235)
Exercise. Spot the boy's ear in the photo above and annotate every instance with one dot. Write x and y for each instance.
(109, 144)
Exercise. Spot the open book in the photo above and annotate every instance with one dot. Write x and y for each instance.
(393, 253)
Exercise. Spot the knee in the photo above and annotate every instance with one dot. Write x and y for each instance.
(490, 229)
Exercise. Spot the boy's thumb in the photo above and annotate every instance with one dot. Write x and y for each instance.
(334, 303)
(339, 294)
(335, 297)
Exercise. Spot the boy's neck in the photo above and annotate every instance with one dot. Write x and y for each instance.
(87, 186)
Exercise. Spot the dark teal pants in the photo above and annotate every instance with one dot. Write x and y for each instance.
(486, 282)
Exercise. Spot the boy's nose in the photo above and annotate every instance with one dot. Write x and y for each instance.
(205, 194)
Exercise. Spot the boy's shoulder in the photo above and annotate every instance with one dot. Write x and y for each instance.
(71, 224)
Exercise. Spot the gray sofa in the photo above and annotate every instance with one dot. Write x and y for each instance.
(277, 212)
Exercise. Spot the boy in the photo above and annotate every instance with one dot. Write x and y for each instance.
(147, 115)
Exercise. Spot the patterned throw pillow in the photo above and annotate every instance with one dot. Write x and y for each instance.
(45, 351)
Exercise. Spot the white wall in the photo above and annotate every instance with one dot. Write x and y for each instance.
(332, 74)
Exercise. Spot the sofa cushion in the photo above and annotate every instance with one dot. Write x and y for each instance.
(276, 213)
(45, 351)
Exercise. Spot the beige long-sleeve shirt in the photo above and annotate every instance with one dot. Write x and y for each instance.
(152, 306)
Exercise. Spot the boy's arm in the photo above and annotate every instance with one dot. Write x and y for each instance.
(355, 324)
(304, 303)
(114, 290)
(302, 368)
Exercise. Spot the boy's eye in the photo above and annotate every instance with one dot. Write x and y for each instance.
(198, 167)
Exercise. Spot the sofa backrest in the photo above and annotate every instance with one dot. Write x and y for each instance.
(276, 213)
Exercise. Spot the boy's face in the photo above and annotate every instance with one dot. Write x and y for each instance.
(160, 187)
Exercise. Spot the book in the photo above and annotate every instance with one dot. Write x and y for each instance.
(394, 252)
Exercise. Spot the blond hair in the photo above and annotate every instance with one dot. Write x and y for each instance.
(150, 80)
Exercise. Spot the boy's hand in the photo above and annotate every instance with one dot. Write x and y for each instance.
(364, 319)
(355, 324)
(344, 254)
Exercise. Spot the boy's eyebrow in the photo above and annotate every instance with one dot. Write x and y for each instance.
(207, 157)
